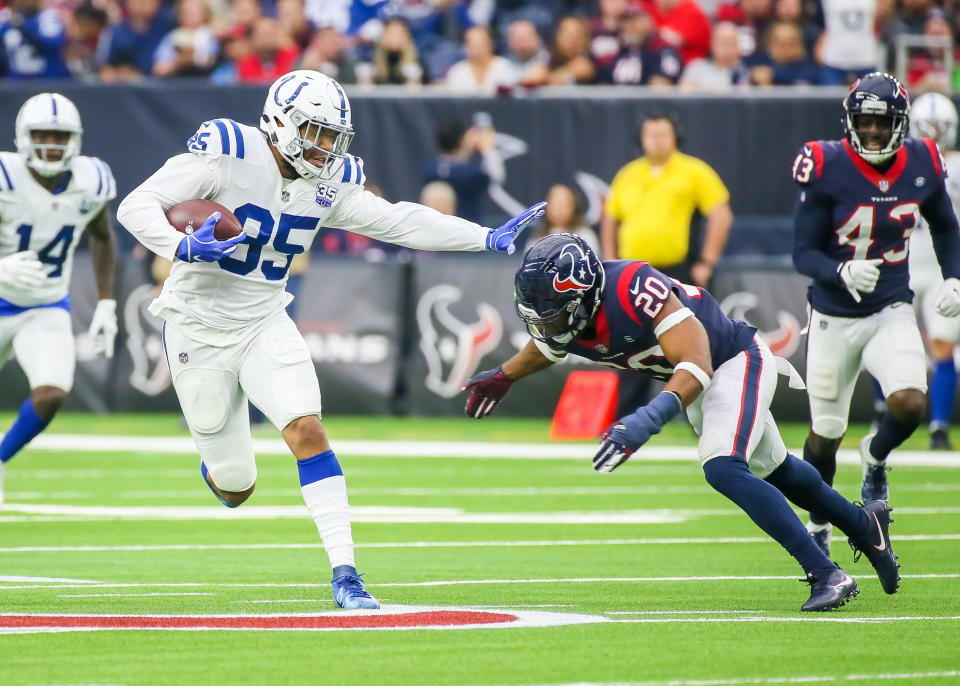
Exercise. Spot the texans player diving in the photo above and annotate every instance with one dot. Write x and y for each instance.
(49, 195)
(861, 198)
(227, 336)
(628, 315)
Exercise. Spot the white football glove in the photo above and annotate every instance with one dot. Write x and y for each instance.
(948, 298)
(103, 327)
(22, 269)
(860, 276)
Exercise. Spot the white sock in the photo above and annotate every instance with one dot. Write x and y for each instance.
(327, 503)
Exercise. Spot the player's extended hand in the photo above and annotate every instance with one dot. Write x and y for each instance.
(622, 439)
(486, 391)
(202, 246)
(948, 298)
(501, 239)
(103, 327)
(22, 269)
(860, 276)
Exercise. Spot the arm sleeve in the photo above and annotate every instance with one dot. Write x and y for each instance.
(812, 221)
(944, 230)
(404, 223)
(710, 189)
(142, 213)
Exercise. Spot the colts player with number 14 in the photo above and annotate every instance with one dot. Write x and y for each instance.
(226, 334)
(49, 195)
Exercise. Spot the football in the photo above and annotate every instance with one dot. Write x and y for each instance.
(190, 215)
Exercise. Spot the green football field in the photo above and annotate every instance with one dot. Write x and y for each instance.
(525, 565)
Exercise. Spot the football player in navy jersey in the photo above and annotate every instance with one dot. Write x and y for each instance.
(628, 315)
(861, 197)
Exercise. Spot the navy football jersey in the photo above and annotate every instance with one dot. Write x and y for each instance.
(622, 333)
(848, 210)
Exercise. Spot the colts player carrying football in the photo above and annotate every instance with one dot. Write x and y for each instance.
(49, 195)
(227, 336)
(628, 315)
(861, 198)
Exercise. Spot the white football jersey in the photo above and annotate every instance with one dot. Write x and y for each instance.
(924, 268)
(50, 224)
(217, 302)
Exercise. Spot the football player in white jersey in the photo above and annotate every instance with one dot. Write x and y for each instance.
(227, 336)
(933, 115)
(49, 194)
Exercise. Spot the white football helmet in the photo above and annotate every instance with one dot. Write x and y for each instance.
(48, 112)
(933, 115)
(294, 102)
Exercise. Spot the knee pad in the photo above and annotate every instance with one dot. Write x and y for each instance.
(234, 476)
(829, 427)
(204, 399)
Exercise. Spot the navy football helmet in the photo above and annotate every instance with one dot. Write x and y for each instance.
(558, 288)
(876, 95)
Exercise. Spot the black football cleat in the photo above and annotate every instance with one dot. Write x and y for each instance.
(940, 440)
(874, 486)
(829, 590)
(875, 544)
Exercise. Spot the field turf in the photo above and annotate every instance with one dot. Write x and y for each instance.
(679, 586)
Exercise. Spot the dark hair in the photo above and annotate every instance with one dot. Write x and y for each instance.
(92, 13)
(449, 135)
(659, 114)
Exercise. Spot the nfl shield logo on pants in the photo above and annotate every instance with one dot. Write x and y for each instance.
(184, 358)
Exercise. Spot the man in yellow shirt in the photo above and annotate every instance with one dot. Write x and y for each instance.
(648, 217)
(651, 205)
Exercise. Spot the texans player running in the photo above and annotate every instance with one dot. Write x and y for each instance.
(861, 198)
(49, 194)
(933, 115)
(227, 335)
(628, 315)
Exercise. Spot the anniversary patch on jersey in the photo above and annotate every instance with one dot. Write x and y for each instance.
(326, 195)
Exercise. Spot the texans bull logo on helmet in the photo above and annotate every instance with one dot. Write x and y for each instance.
(574, 272)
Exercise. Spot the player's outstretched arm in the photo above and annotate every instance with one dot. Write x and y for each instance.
(488, 388)
(103, 323)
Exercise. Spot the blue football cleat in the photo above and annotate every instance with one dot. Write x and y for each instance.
(349, 593)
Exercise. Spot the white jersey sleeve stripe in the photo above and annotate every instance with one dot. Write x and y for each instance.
(99, 178)
(224, 136)
(362, 177)
(238, 137)
(8, 185)
(347, 169)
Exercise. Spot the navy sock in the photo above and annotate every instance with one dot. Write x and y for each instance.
(25, 427)
(891, 432)
(942, 387)
(826, 466)
(767, 507)
(803, 487)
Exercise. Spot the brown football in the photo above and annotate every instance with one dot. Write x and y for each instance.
(188, 216)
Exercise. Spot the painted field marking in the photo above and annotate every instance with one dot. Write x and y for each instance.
(45, 579)
(125, 595)
(683, 612)
(883, 676)
(443, 449)
(424, 544)
(387, 617)
(287, 600)
(820, 618)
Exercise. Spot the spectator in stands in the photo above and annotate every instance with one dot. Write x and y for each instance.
(570, 61)
(785, 62)
(482, 72)
(396, 59)
(84, 28)
(33, 41)
(294, 22)
(469, 161)
(754, 18)
(913, 15)
(639, 62)
(272, 53)
(648, 215)
(245, 14)
(190, 49)
(525, 51)
(681, 25)
(795, 12)
(566, 211)
(131, 44)
(849, 49)
(724, 69)
(327, 54)
(605, 28)
(927, 67)
(440, 196)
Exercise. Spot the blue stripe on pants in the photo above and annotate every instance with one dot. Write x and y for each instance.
(748, 400)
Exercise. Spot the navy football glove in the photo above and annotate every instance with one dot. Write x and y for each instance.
(622, 439)
(486, 391)
(202, 246)
(501, 239)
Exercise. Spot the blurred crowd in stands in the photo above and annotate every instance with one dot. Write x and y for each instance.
(486, 46)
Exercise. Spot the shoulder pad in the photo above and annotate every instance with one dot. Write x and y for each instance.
(353, 170)
(218, 137)
(808, 164)
(96, 176)
(642, 292)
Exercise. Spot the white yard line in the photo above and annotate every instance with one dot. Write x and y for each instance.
(79, 443)
(424, 544)
(883, 676)
(821, 618)
(125, 595)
